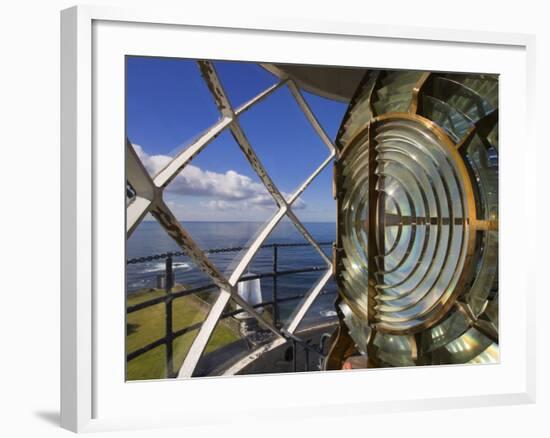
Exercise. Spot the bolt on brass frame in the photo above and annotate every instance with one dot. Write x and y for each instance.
(366, 135)
(354, 135)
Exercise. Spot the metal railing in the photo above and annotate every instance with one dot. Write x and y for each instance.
(170, 296)
(147, 198)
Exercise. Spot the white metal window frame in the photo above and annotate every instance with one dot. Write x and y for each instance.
(149, 199)
(94, 394)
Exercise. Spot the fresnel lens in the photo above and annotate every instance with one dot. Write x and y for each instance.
(416, 256)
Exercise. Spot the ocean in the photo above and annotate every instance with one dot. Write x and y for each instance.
(150, 239)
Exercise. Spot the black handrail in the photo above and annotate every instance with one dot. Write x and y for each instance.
(164, 255)
(170, 296)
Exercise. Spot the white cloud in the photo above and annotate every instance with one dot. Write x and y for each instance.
(226, 191)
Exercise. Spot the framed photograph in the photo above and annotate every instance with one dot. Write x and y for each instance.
(309, 208)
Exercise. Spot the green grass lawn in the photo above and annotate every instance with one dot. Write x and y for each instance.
(148, 325)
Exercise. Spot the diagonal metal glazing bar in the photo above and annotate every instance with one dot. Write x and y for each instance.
(243, 108)
(257, 165)
(329, 144)
(310, 116)
(199, 344)
(308, 181)
(211, 78)
(227, 288)
(213, 83)
(295, 196)
(224, 106)
(306, 303)
(208, 326)
(238, 366)
(163, 178)
(174, 167)
(205, 332)
(173, 228)
(307, 236)
(245, 261)
(137, 175)
(216, 88)
(141, 182)
(209, 73)
(253, 249)
(289, 328)
(135, 212)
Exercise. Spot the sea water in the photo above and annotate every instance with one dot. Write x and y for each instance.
(150, 239)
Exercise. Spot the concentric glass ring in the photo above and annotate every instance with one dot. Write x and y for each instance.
(422, 224)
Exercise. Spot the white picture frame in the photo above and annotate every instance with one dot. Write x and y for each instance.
(93, 396)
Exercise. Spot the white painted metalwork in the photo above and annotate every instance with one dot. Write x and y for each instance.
(290, 327)
(308, 300)
(141, 182)
(148, 199)
(252, 356)
(163, 178)
(199, 343)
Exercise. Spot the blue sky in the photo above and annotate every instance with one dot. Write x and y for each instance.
(168, 105)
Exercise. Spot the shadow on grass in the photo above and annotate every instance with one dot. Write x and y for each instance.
(131, 328)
